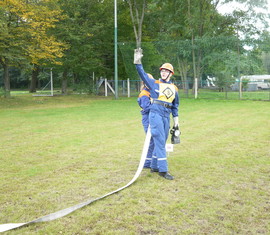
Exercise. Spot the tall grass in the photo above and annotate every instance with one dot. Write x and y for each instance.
(56, 152)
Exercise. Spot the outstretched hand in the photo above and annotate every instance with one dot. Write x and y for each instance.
(138, 54)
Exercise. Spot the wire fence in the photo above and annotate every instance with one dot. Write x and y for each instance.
(252, 90)
(249, 91)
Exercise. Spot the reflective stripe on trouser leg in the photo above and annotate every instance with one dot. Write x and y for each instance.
(154, 162)
(159, 129)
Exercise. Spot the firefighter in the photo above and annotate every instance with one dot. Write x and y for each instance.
(165, 102)
(144, 102)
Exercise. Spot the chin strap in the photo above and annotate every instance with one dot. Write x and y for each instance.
(166, 79)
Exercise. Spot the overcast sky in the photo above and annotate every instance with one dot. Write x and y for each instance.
(228, 8)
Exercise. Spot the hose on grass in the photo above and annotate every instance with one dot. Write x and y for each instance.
(64, 212)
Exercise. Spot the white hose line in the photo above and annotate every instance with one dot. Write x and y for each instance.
(61, 213)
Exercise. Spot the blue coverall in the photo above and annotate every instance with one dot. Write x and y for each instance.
(145, 103)
(165, 94)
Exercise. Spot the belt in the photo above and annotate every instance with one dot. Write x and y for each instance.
(163, 104)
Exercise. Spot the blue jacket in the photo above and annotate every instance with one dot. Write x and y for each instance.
(144, 101)
(165, 92)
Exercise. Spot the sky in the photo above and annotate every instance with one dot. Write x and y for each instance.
(228, 8)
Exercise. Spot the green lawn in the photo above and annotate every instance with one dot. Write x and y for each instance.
(56, 152)
(204, 93)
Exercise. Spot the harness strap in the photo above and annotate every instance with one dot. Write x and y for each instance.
(163, 104)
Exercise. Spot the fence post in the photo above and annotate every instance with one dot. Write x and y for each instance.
(51, 82)
(93, 84)
(196, 88)
(128, 87)
(240, 88)
(123, 87)
(187, 87)
(106, 88)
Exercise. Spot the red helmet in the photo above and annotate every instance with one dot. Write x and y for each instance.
(167, 66)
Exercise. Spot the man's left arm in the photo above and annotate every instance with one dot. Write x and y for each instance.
(175, 106)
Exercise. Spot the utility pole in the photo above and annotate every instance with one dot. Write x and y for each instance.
(115, 51)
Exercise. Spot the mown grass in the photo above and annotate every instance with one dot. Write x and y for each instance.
(204, 93)
(56, 152)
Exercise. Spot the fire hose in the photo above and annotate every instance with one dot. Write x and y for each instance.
(64, 212)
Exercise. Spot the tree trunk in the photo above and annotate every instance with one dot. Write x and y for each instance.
(199, 69)
(6, 80)
(137, 20)
(64, 82)
(183, 68)
(192, 44)
(34, 79)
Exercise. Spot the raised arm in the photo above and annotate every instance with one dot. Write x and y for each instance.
(143, 75)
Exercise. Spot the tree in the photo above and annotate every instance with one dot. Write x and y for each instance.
(137, 9)
(11, 43)
(266, 61)
(264, 47)
(24, 38)
(186, 22)
(88, 30)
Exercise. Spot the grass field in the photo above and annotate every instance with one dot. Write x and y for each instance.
(204, 93)
(56, 152)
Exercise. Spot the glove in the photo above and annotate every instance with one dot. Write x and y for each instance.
(175, 120)
(138, 54)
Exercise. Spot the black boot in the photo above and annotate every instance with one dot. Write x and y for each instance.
(166, 175)
(153, 170)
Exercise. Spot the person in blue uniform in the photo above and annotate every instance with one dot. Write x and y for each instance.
(165, 102)
(144, 102)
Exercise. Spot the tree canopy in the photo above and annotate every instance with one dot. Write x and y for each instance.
(76, 37)
(25, 38)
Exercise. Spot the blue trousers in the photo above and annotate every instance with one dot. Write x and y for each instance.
(145, 123)
(160, 126)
